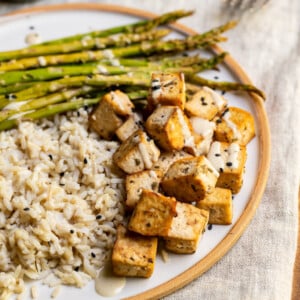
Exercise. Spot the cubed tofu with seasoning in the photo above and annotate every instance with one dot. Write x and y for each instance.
(219, 205)
(166, 159)
(235, 125)
(135, 183)
(205, 103)
(170, 128)
(104, 120)
(137, 153)
(186, 229)
(229, 160)
(120, 102)
(167, 89)
(203, 131)
(189, 179)
(131, 125)
(153, 214)
(133, 255)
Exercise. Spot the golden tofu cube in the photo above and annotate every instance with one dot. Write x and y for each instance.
(235, 125)
(219, 205)
(153, 214)
(166, 159)
(168, 126)
(205, 103)
(186, 229)
(189, 179)
(229, 160)
(137, 153)
(120, 102)
(131, 125)
(104, 120)
(135, 183)
(167, 89)
(133, 255)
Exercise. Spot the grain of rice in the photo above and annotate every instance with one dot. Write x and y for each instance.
(55, 292)
(34, 292)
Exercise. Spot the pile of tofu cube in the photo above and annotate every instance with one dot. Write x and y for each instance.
(182, 165)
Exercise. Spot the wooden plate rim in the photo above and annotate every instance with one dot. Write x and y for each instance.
(263, 135)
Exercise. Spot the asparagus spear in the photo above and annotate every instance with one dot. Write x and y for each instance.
(120, 67)
(144, 48)
(52, 110)
(137, 27)
(6, 90)
(75, 46)
(16, 107)
(225, 86)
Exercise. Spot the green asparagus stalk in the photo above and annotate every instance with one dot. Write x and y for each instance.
(47, 87)
(17, 107)
(145, 48)
(139, 76)
(121, 40)
(224, 86)
(50, 73)
(138, 27)
(10, 89)
(48, 111)
(54, 109)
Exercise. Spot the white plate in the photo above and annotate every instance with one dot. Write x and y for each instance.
(64, 20)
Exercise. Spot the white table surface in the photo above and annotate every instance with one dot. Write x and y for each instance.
(267, 44)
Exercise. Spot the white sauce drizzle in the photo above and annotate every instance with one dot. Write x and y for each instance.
(32, 38)
(202, 127)
(221, 159)
(42, 61)
(217, 161)
(233, 154)
(220, 102)
(117, 99)
(231, 125)
(156, 89)
(115, 62)
(107, 284)
(14, 105)
(145, 156)
(16, 116)
(108, 54)
(102, 69)
(188, 137)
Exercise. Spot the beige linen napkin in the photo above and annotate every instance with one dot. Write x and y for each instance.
(266, 44)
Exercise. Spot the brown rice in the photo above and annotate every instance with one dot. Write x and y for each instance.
(60, 202)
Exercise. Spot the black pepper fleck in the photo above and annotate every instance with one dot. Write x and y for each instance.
(71, 231)
(229, 164)
(85, 161)
(221, 170)
(93, 254)
(62, 174)
(217, 154)
(219, 121)
(98, 217)
(50, 156)
(76, 269)
(26, 209)
(216, 77)
(223, 93)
